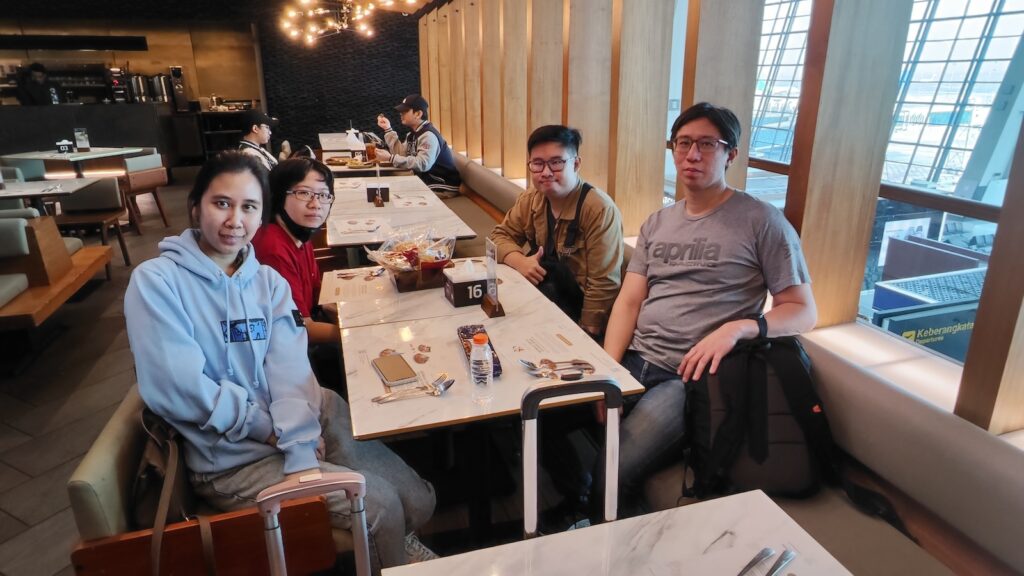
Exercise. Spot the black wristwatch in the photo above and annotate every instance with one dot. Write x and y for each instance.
(762, 325)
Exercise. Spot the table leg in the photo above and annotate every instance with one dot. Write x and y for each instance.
(77, 165)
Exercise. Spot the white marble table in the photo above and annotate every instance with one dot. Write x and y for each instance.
(423, 327)
(75, 158)
(45, 187)
(716, 537)
(37, 190)
(363, 299)
(354, 222)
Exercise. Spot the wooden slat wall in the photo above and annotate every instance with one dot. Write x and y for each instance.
(724, 77)
(474, 121)
(639, 137)
(546, 70)
(589, 87)
(513, 88)
(843, 163)
(458, 47)
(490, 76)
(992, 386)
(424, 58)
(434, 99)
(441, 112)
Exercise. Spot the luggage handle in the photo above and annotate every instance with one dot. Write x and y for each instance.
(314, 484)
(532, 398)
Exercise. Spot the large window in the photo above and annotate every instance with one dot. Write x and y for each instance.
(955, 128)
(780, 70)
(957, 57)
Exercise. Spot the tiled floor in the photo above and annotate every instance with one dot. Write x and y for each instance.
(52, 411)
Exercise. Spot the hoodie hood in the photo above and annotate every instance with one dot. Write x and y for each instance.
(184, 251)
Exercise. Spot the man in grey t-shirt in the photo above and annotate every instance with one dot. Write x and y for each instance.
(696, 285)
(703, 271)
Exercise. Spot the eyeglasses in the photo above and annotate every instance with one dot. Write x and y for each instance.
(556, 164)
(704, 145)
(305, 195)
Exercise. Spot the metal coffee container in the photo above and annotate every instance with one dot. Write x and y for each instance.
(138, 88)
(160, 88)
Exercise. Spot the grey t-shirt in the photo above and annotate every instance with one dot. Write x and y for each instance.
(705, 271)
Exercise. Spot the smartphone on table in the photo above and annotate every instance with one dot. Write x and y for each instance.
(394, 370)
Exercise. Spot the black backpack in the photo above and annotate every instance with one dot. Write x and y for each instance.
(758, 424)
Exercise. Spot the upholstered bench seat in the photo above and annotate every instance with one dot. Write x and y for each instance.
(11, 285)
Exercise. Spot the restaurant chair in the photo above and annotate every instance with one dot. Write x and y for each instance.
(100, 493)
(144, 174)
(11, 174)
(72, 244)
(13, 244)
(23, 170)
(97, 206)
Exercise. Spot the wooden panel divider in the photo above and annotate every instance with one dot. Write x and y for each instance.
(490, 80)
(458, 47)
(514, 49)
(441, 112)
(474, 121)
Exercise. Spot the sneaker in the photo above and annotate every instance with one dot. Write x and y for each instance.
(417, 551)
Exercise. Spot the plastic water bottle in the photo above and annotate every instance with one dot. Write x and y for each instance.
(481, 367)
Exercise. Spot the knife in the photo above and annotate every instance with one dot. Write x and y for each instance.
(761, 556)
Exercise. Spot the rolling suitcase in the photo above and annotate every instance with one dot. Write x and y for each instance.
(532, 398)
(315, 484)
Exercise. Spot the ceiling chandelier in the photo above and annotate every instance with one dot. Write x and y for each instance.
(310, 20)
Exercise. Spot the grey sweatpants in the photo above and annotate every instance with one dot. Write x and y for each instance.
(397, 500)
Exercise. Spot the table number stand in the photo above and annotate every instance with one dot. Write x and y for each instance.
(490, 305)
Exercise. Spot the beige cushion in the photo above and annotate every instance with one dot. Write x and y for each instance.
(493, 187)
(13, 238)
(103, 194)
(965, 475)
(72, 244)
(11, 285)
(100, 488)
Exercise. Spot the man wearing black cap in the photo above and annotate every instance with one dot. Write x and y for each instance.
(424, 151)
(255, 134)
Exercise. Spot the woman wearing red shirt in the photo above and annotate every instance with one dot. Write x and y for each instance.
(301, 193)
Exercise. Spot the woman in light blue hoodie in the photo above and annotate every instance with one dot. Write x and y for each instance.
(220, 353)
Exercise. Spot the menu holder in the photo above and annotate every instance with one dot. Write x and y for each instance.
(371, 193)
(490, 304)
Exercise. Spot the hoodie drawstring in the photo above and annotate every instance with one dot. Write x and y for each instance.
(252, 345)
(227, 324)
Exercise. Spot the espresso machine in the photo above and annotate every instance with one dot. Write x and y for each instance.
(118, 83)
(160, 88)
(138, 88)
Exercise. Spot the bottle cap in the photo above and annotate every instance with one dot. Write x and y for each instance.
(479, 338)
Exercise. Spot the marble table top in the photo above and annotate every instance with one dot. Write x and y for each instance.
(714, 537)
(94, 152)
(422, 326)
(353, 221)
(363, 299)
(45, 187)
